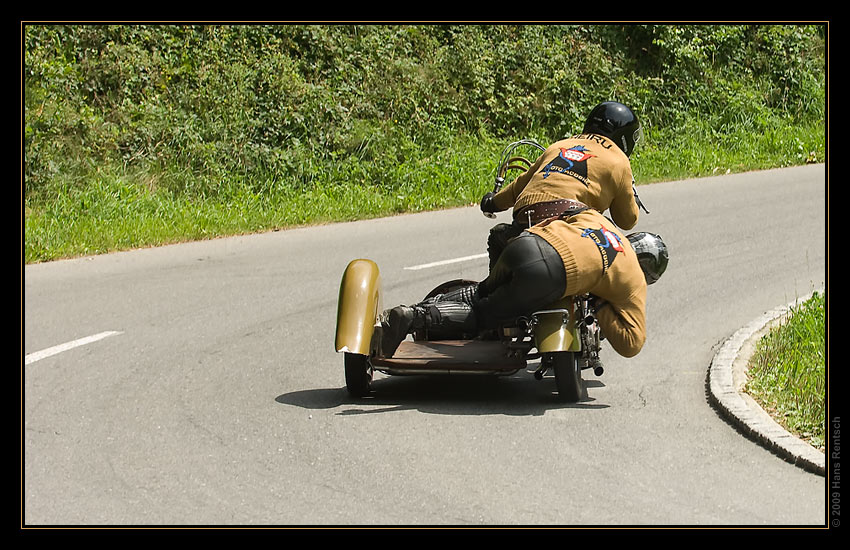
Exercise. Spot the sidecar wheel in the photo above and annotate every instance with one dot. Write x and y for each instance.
(358, 374)
(567, 375)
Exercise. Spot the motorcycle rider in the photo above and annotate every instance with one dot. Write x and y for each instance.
(592, 168)
(574, 253)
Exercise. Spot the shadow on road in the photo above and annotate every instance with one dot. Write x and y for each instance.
(519, 395)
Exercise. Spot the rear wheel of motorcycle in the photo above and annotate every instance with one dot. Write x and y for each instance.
(358, 374)
(567, 375)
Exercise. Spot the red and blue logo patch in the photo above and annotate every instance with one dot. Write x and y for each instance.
(608, 242)
(572, 162)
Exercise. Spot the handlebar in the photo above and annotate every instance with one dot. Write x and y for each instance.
(508, 162)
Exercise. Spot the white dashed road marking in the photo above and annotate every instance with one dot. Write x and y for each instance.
(38, 355)
(444, 262)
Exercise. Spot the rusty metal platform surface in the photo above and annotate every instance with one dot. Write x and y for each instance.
(451, 354)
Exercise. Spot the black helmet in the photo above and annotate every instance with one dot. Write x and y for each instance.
(651, 253)
(616, 121)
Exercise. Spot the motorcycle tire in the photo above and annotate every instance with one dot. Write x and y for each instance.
(358, 374)
(567, 370)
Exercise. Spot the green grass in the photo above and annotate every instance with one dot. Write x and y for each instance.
(699, 151)
(119, 213)
(787, 373)
(117, 209)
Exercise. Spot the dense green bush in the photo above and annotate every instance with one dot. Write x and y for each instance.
(224, 112)
(193, 105)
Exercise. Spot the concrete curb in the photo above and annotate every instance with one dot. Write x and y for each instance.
(726, 376)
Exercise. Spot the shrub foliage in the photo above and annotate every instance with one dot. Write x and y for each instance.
(199, 109)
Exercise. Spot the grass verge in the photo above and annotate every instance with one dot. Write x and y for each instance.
(115, 209)
(787, 373)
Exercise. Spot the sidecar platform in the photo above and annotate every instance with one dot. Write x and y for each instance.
(450, 356)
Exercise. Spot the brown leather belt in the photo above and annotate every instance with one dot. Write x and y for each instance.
(533, 214)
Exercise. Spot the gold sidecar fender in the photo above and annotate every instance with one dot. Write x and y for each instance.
(360, 303)
(556, 329)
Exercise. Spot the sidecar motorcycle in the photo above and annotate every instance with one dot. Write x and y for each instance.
(565, 337)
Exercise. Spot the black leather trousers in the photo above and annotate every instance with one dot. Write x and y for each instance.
(528, 276)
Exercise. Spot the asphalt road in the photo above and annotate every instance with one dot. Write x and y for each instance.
(219, 400)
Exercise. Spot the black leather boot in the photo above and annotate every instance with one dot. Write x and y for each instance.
(434, 320)
(396, 324)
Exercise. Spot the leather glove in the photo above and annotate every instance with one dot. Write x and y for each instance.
(487, 205)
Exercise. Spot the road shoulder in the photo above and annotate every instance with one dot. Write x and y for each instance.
(726, 377)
